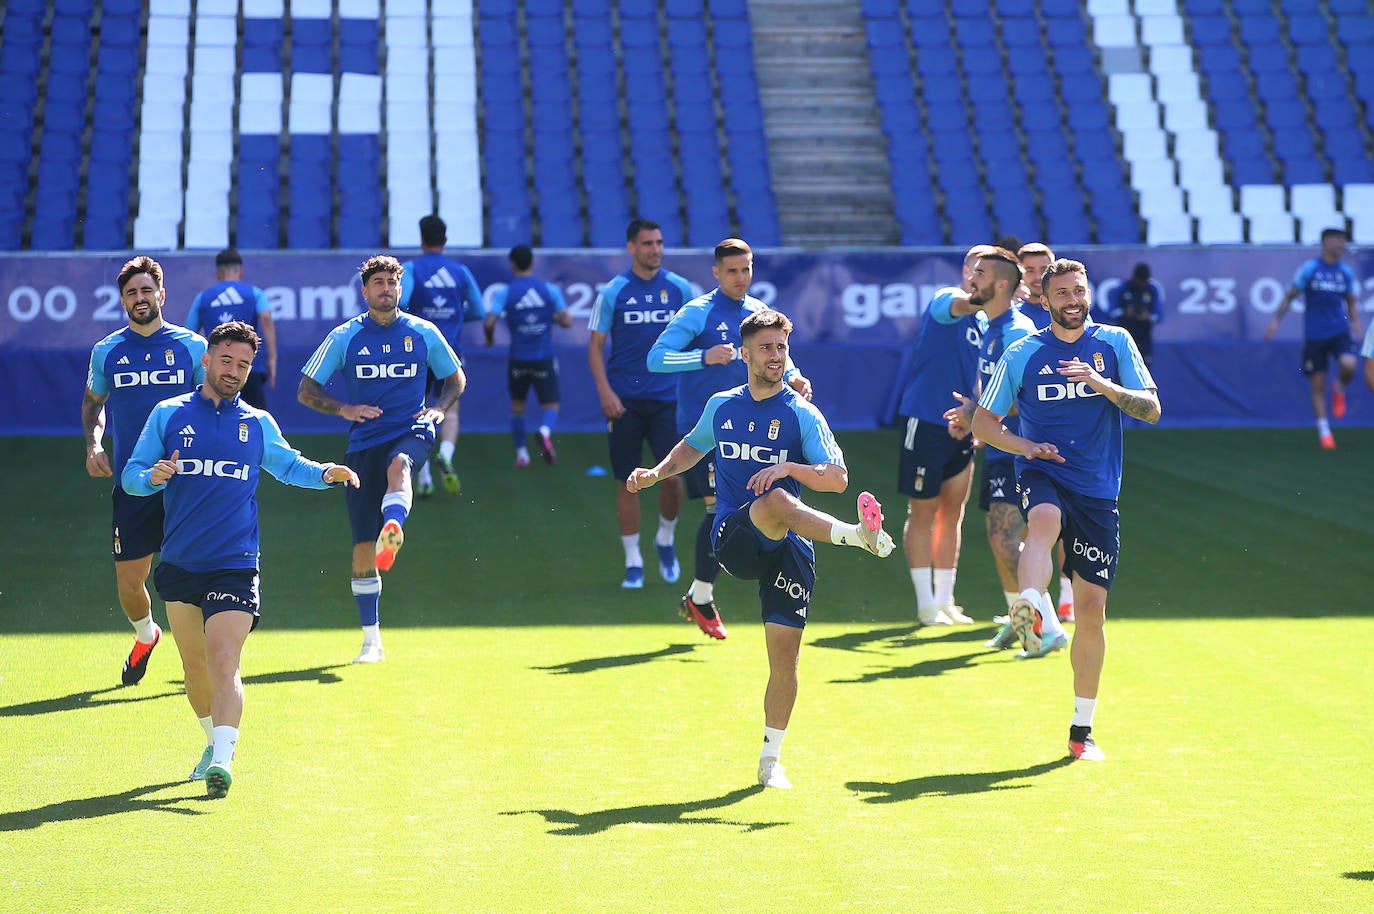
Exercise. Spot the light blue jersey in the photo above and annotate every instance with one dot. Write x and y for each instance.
(443, 292)
(227, 301)
(136, 372)
(945, 357)
(704, 322)
(1001, 333)
(211, 501)
(632, 312)
(383, 367)
(1324, 287)
(1083, 424)
(748, 435)
(528, 305)
(1039, 315)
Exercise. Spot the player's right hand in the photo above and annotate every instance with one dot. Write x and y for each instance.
(611, 405)
(359, 413)
(640, 478)
(98, 463)
(1044, 451)
(722, 354)
(164, 469)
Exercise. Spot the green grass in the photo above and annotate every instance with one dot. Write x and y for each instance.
(540, 740)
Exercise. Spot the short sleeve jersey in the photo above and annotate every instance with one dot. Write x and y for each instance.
(136, 372)
(748, 435)
(528, 305)
(1324, 287)
(945, 357)
(633, 312)
(443, 292)
(224, 302)
(1002, 331)
(384, 367)
(1083, 424)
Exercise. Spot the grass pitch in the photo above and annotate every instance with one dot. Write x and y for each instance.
(540, 740)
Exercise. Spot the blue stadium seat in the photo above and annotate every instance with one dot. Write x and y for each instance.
(116, 60)
(733, 37)
(1352, 171)
(497, 9)
(1309, 29)
(1317, 58)
(497, 33)
(1028, 63)
(639, 33)
(599, 9)
(592, 33)
(693, 10)
(1233, 116)
(686, 35)
(1355, 30)
(1223, 87)
(1304, 171)
(1006, 8)
(262, 33)
(931, 33)
(1118, 226)
(1210, 30)
(881, 9)
(1066, 32)
(985, 69)
(1265, 57)
(925, 8)
(69, 32)
(1074, 61)
(1294, 144)
(1326, 86)
(881, 34)
(1061, 8)
(1259, 29)
(891, 62)
(1284, 115)
(935, 63)
(1033, 94)
(943, 92)
(1252, 7)
(1089, 117)
(1244, 142)
(1343, 7)
(975, 34)
(20, 60)
(1279, 85)
(1205, 7)
(1020, 32)
(969, 223)
(1217, 59)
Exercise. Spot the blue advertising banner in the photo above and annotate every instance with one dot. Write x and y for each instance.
(855, 312)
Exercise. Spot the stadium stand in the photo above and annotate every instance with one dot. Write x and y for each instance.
(336, 123)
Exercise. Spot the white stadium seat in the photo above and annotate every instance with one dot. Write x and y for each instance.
(1271, 228)
(1169, 230)
(1220, 228)
(1261, 199)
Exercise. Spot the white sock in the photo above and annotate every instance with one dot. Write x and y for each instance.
(522, 452)
(1323, 426)
(632, 557)
(1009, 596)
(701, 592)
(446, 450)
(1065, 590)
(667, 529)
(944, 585)
(772, 742)
(846, 535)
(372, 633)
(225, 739)
(545, 431)
(144, 628)
(424, 477)
(1049, 616)
(208, 724)
(1083, 709)
(925, 593)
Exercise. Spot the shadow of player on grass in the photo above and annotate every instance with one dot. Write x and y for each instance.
(887, 640)
(951, 785)
(133, 800)
(94, 698)
(597, 821)
(592, 664)
(936, 666)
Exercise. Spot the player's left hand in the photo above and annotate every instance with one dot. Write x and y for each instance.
(337, 472)
(430, 414)
(763, 480)
(802, 385)
(640, 478)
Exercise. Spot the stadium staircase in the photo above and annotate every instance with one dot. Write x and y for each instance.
(825, 142)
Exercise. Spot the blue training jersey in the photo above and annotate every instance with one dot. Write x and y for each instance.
(211, 501)
(384, 367)
(1001, 333)
(1324, 287)
(224, 302)
(528, 305)
(706, 321)
(748, 435)
(1083, 424)
(945, 356)
(136, 372)
(1039, 315)
(633, 311)
(443, 292)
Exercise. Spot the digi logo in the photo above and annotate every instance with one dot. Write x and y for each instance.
(730, 450)
(656, 316)
(227, 469)
(393, 370)
(148, 377)
(1072, 390)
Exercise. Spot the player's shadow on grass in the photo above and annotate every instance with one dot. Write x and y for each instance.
(936, 666)
(134, 800)
(1361, 875)
(592, 664)
(598, 821)
(95, 698)
(887, 640)
(951, 785)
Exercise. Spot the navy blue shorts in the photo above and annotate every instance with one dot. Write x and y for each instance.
(365, 502)
(653, 421)
(1091, 527)
(542, 375)
(701, 478)
(785, 569)
(929, 456)
(997, 479)
(1318, 354)
(213, 591)
(136, 526)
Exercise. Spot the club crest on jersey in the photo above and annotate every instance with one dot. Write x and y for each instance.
(1098, 363)
(410, 345)
(243, 432)
(774, 428)
(663, 296)
(170, 356)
